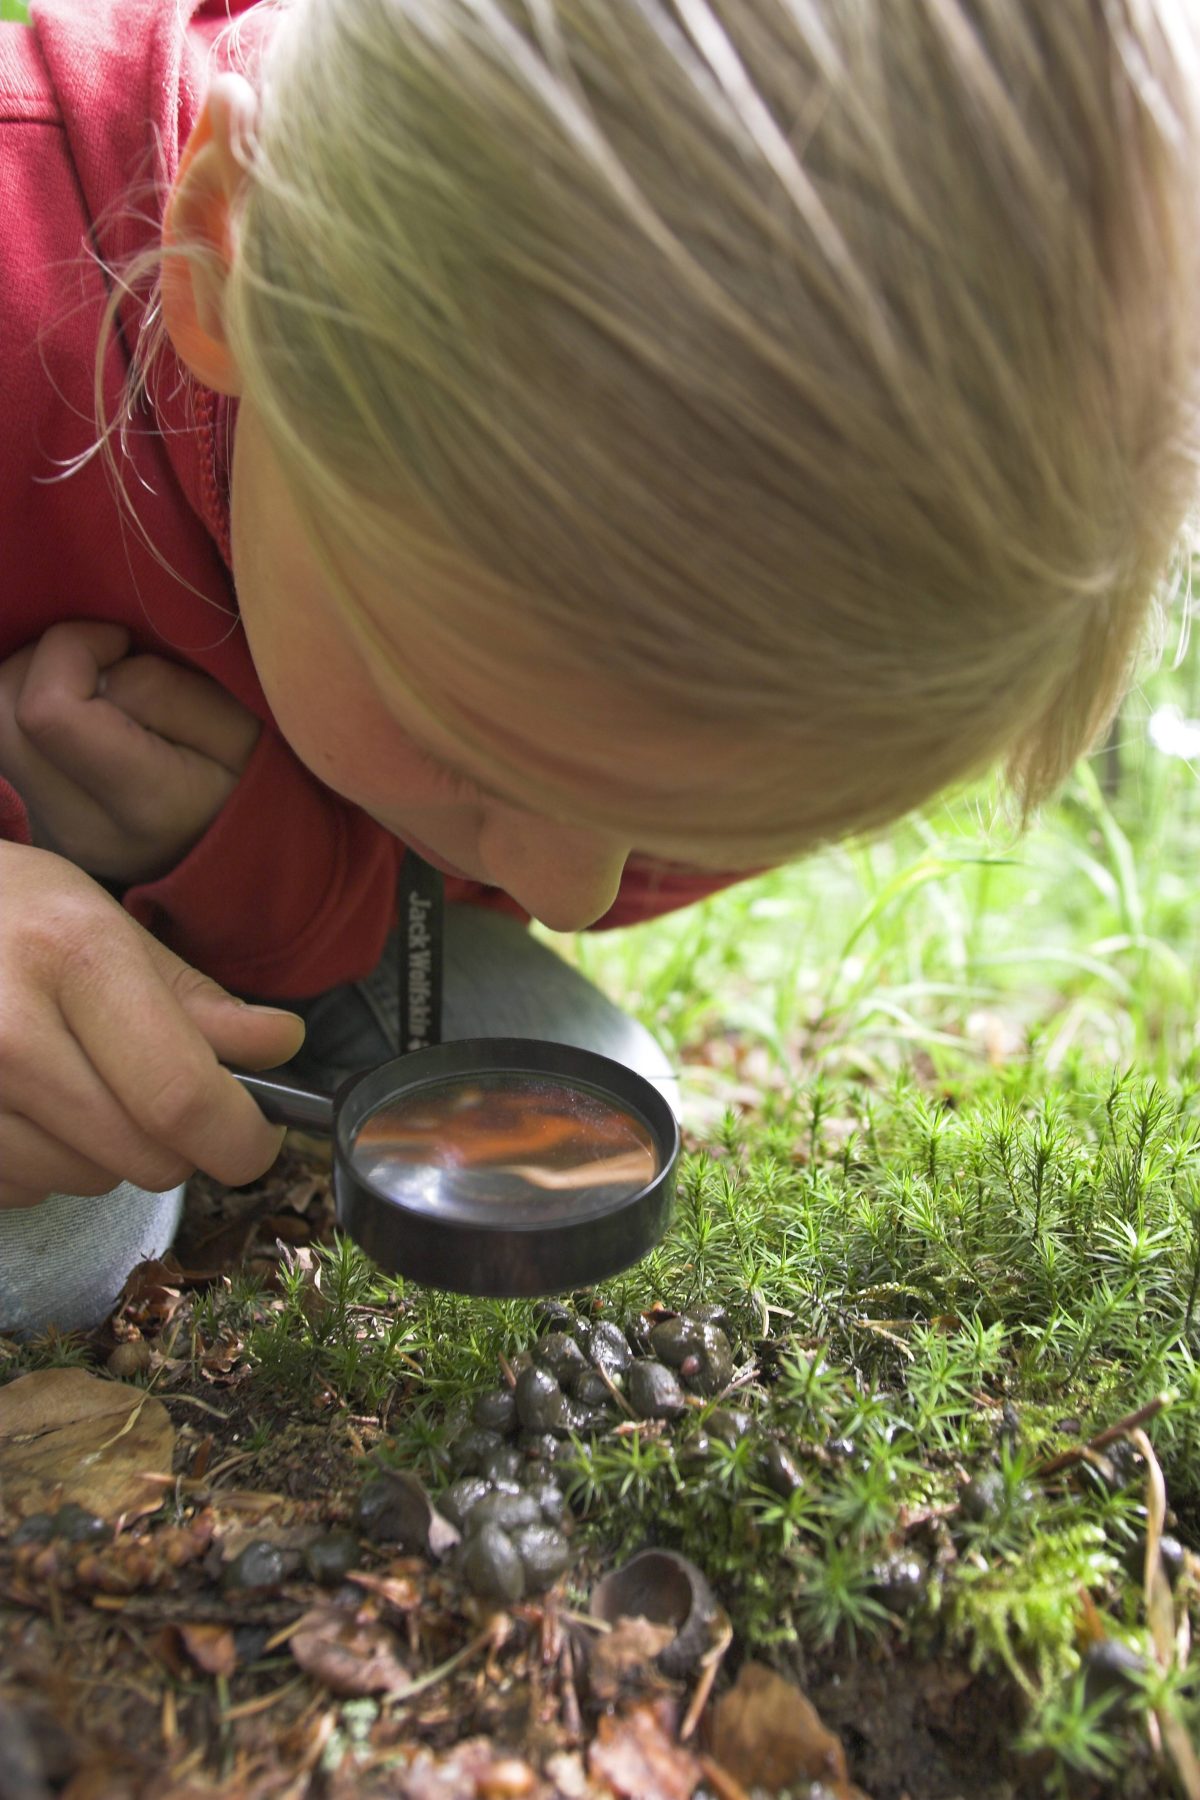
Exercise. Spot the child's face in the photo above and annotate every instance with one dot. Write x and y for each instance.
(336, 716)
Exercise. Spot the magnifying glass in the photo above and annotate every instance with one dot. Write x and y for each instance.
(498, 1166)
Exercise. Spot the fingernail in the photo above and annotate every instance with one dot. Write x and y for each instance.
(275, 1012)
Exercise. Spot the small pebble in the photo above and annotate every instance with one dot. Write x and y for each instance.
(328, 1559)
(694, 1455)
(461, 1498)
(496, 1411)
(491, 1565)
(544, 1553)
(654, 1392)
(779, 1470)
(541, 1403)
(841, 1449)
(77, 1525)
(259, 1565)
(561, 1355)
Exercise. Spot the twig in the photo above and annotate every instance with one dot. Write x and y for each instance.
(1123, 1428)
(710, 1662)
(1160, 1615)
(246, 1709)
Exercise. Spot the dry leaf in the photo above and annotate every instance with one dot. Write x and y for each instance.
(768, 1735)
(66, 1435)
(350, 1653)
(210, 1647)
(624, 1658)
(636, 1753)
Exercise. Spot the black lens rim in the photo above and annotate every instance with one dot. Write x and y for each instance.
(503, 1261)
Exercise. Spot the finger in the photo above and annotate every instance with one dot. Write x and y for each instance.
(58, 1090)
(185, 707)
(147, 1052)
(46, 1164)
(252, 1037)
(58, 709)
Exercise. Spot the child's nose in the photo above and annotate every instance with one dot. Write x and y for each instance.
(566, 876)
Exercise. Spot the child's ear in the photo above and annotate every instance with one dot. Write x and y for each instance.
(200, 218)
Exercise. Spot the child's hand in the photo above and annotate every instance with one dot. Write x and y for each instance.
(122, 761)
(109, 1047)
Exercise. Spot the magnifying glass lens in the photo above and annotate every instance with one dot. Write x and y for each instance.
(542, 1148)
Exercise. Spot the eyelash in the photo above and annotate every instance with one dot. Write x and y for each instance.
(459, 785)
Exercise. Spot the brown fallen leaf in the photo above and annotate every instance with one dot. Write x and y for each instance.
(66, 1435)
(349, 1652)
(767, 1734)
(624, 1659)
(636, 1753)
(211, 1647)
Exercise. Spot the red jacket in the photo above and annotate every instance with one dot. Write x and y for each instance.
(292, 889)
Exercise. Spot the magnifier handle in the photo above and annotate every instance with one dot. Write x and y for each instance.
(287, 1103)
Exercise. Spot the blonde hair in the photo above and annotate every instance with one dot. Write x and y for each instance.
(820, 377)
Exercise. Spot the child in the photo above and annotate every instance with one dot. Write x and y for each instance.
(647, 438)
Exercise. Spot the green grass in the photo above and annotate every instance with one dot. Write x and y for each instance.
(953, 938)
(14, 12)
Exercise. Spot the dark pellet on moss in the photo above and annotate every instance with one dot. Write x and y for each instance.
(608, 1348)
(561, 1355)
(331, 1557)
(1111, 1667)
(504, 1464)
(654, 1391)
(779, 1470)
(471, 1446)
(591, 1389)
(496, 1411)
(728, 1423)
(550, 1499)
(900, 1583)
(711, 1312)
(541, 1446)
(981, 1498)
(506, 1510)
(38, 1528)
(461, 1497)
(491, 1565)
(259, 1565)
(552, 1315)
(541, 1403)
(544, 1553)
(77, 1525)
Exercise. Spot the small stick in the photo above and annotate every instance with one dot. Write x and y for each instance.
(709, 1664)
(1123, 1428)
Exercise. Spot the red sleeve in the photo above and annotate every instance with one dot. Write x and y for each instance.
(307, 907)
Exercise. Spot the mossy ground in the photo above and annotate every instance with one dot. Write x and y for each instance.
(929, 1286)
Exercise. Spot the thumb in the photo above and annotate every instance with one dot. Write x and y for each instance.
(258, 1037)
